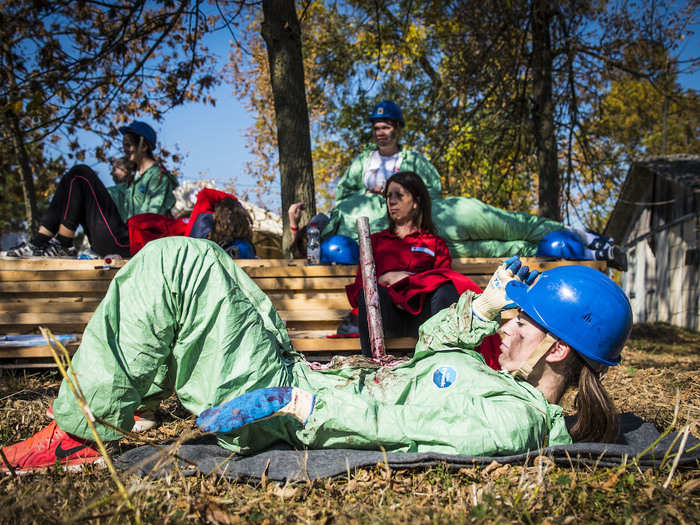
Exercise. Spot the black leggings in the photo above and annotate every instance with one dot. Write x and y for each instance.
(82, 199)
(400, 323)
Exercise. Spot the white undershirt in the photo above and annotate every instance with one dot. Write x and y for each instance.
(379, 168)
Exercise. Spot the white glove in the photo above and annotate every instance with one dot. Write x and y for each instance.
(493, 299)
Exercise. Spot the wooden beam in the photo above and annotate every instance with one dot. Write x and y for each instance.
(48, 306)
(51, 263)
(54, 286)
(56, 275)
(345, 344)
(296, 283)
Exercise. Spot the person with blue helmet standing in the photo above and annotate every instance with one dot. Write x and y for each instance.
(81, 199)
(360, 189)
(185, 306)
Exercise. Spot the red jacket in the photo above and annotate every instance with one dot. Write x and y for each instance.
(146, 227)
(423, 254)
(428, 258)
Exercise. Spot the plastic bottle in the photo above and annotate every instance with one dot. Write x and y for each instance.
(113, 258)
(313, 244)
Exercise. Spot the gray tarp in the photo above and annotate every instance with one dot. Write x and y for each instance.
(284, 464)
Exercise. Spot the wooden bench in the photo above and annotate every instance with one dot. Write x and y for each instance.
(62, 294)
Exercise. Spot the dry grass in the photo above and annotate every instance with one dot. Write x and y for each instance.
(660, 364)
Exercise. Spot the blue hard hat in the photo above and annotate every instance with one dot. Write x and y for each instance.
(562, 244)
(581, 306)
(141, 129)
(240, 249)
(387, 109)
(340, 249)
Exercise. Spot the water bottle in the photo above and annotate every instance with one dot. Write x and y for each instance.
(313, 244)
(113, 259)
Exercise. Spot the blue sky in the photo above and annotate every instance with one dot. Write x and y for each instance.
(211, 138)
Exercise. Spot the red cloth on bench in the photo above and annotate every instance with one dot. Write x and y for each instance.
(146, 227)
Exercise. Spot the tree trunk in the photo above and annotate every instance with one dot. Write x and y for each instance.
(27, 179)
(549, 196)
(282, 34)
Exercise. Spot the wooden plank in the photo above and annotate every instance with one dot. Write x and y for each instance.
(474, 266)
(345, 344)
(53, 296)
(305, 315)
(305, 301)
(51, 263)
(94, 286)
(324, 326)
(56, 275)
(302, 271)
(298, 283)
(49, 305)
(31, 352)
(49, 318)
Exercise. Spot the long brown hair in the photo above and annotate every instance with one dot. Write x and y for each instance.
(596, 415)
(411, 182)
(231, 221)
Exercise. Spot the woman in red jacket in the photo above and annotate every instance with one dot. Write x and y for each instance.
(413, 264)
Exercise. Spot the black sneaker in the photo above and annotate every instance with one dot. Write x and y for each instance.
(25, 249)
(615, 256)
(349, 325)
(618, 259)
(600, 242)
(56, 249)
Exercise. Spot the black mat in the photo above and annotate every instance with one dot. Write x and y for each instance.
(282, 463)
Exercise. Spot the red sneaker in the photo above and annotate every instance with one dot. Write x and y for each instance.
(45, 448)
(143, 421)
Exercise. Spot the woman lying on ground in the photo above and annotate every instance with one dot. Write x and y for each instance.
(82, 200)
(182, 316)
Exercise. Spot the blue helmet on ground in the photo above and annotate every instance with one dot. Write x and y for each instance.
(387, 109)
(240, 249)
(581, 306)
(141, 129)
(340, 249)
(562, 244)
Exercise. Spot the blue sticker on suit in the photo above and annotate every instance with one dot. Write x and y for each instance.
(142, 189)
(444, 376)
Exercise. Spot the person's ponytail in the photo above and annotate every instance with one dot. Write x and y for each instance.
(596, 415)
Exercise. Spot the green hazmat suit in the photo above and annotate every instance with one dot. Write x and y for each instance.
(352, 199)
(149, 192)
(182, 316)
(470, 227)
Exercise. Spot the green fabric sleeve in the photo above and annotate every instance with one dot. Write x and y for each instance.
(492, 248)
(454, 327)
(414, 161)
(351, 182)
(460, 219)
(152, 192)
(343, 218)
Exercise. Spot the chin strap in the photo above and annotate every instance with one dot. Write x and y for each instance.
(526, 368)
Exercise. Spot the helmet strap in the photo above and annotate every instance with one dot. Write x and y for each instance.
(526, 368)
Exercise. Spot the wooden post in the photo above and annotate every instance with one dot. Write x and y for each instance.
(369, 285)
